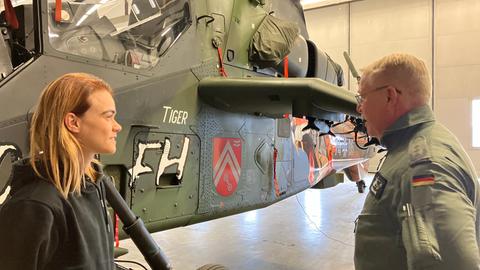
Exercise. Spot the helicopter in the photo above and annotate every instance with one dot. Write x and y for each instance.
(226, 105)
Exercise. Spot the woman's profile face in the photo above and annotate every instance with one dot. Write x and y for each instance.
(98, 129)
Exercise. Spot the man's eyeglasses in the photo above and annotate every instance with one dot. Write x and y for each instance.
(361, 98)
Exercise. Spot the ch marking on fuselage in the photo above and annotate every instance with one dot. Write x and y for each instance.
(165, 161)
(174, 116)
(4, 150)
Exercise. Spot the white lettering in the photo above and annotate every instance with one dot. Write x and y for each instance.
(4, 149)
(4, 196)
(166, 112)
(152, 4)
(166, 162)
(173, 116)
(139, 168)
(179, 117)
(184, 118)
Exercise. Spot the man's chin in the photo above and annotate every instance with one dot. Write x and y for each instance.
(372, 133)
(367, 129)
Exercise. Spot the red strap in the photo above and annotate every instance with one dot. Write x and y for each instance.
(10, 15)
(275, 182)
(330, 148)
(117, 242)
(220, 60)
(311, 165)
(58, 11)
(285, 67)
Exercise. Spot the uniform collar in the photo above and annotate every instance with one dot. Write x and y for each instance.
(400, 127)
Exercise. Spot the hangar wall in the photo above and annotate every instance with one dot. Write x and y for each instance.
(444, 33)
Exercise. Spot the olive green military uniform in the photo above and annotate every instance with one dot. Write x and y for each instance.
(422, 210)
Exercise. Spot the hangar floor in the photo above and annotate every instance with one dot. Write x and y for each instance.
(312, 230)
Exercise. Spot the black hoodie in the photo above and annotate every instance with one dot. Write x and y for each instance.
(39, 229)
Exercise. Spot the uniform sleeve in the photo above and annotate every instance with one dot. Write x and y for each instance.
(438, 225)
(28, 237)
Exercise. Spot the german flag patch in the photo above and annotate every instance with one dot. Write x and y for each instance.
(423, 180)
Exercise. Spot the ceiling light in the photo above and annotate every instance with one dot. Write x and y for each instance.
(309, 4)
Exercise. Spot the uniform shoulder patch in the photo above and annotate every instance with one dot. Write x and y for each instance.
(423, 180)
(378, 186)
(418, 151)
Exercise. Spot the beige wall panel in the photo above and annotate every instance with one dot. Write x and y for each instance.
(366, 53)
(388, 20)
(328, 28)
(454, 16)
(380, 27)
(445, 108)
(458, 49)
(457, 82)
(456, 115)
(457, 58)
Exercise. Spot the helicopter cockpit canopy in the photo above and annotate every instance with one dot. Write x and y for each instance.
(135, 33)
(16, 35)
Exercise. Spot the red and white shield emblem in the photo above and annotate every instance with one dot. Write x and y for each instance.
(227, 164)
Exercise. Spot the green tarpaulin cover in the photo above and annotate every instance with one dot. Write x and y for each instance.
(272, 41)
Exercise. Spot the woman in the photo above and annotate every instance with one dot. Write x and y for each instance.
(56, 217)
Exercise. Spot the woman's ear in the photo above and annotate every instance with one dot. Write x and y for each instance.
(72, 122)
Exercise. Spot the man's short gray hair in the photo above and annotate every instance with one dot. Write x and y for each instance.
(404, 71)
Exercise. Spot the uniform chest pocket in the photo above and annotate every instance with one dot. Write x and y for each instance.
(377, 243)
(377, 226)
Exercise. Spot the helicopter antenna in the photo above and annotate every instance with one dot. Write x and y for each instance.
(352, 68)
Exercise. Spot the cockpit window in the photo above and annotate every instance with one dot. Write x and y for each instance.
(134, 33)
(17, 37)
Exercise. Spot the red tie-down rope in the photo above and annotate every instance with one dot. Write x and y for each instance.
(275, 182)
(220, 60)
(117, 241)
(285, 75)
(275, 151)
(10, 15)
(58, 11)
(285, 67)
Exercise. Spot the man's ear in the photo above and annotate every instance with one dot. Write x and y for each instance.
(72, 122)
(392, 94)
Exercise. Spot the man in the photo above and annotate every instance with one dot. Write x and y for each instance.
(422, 210)
(353, 174)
